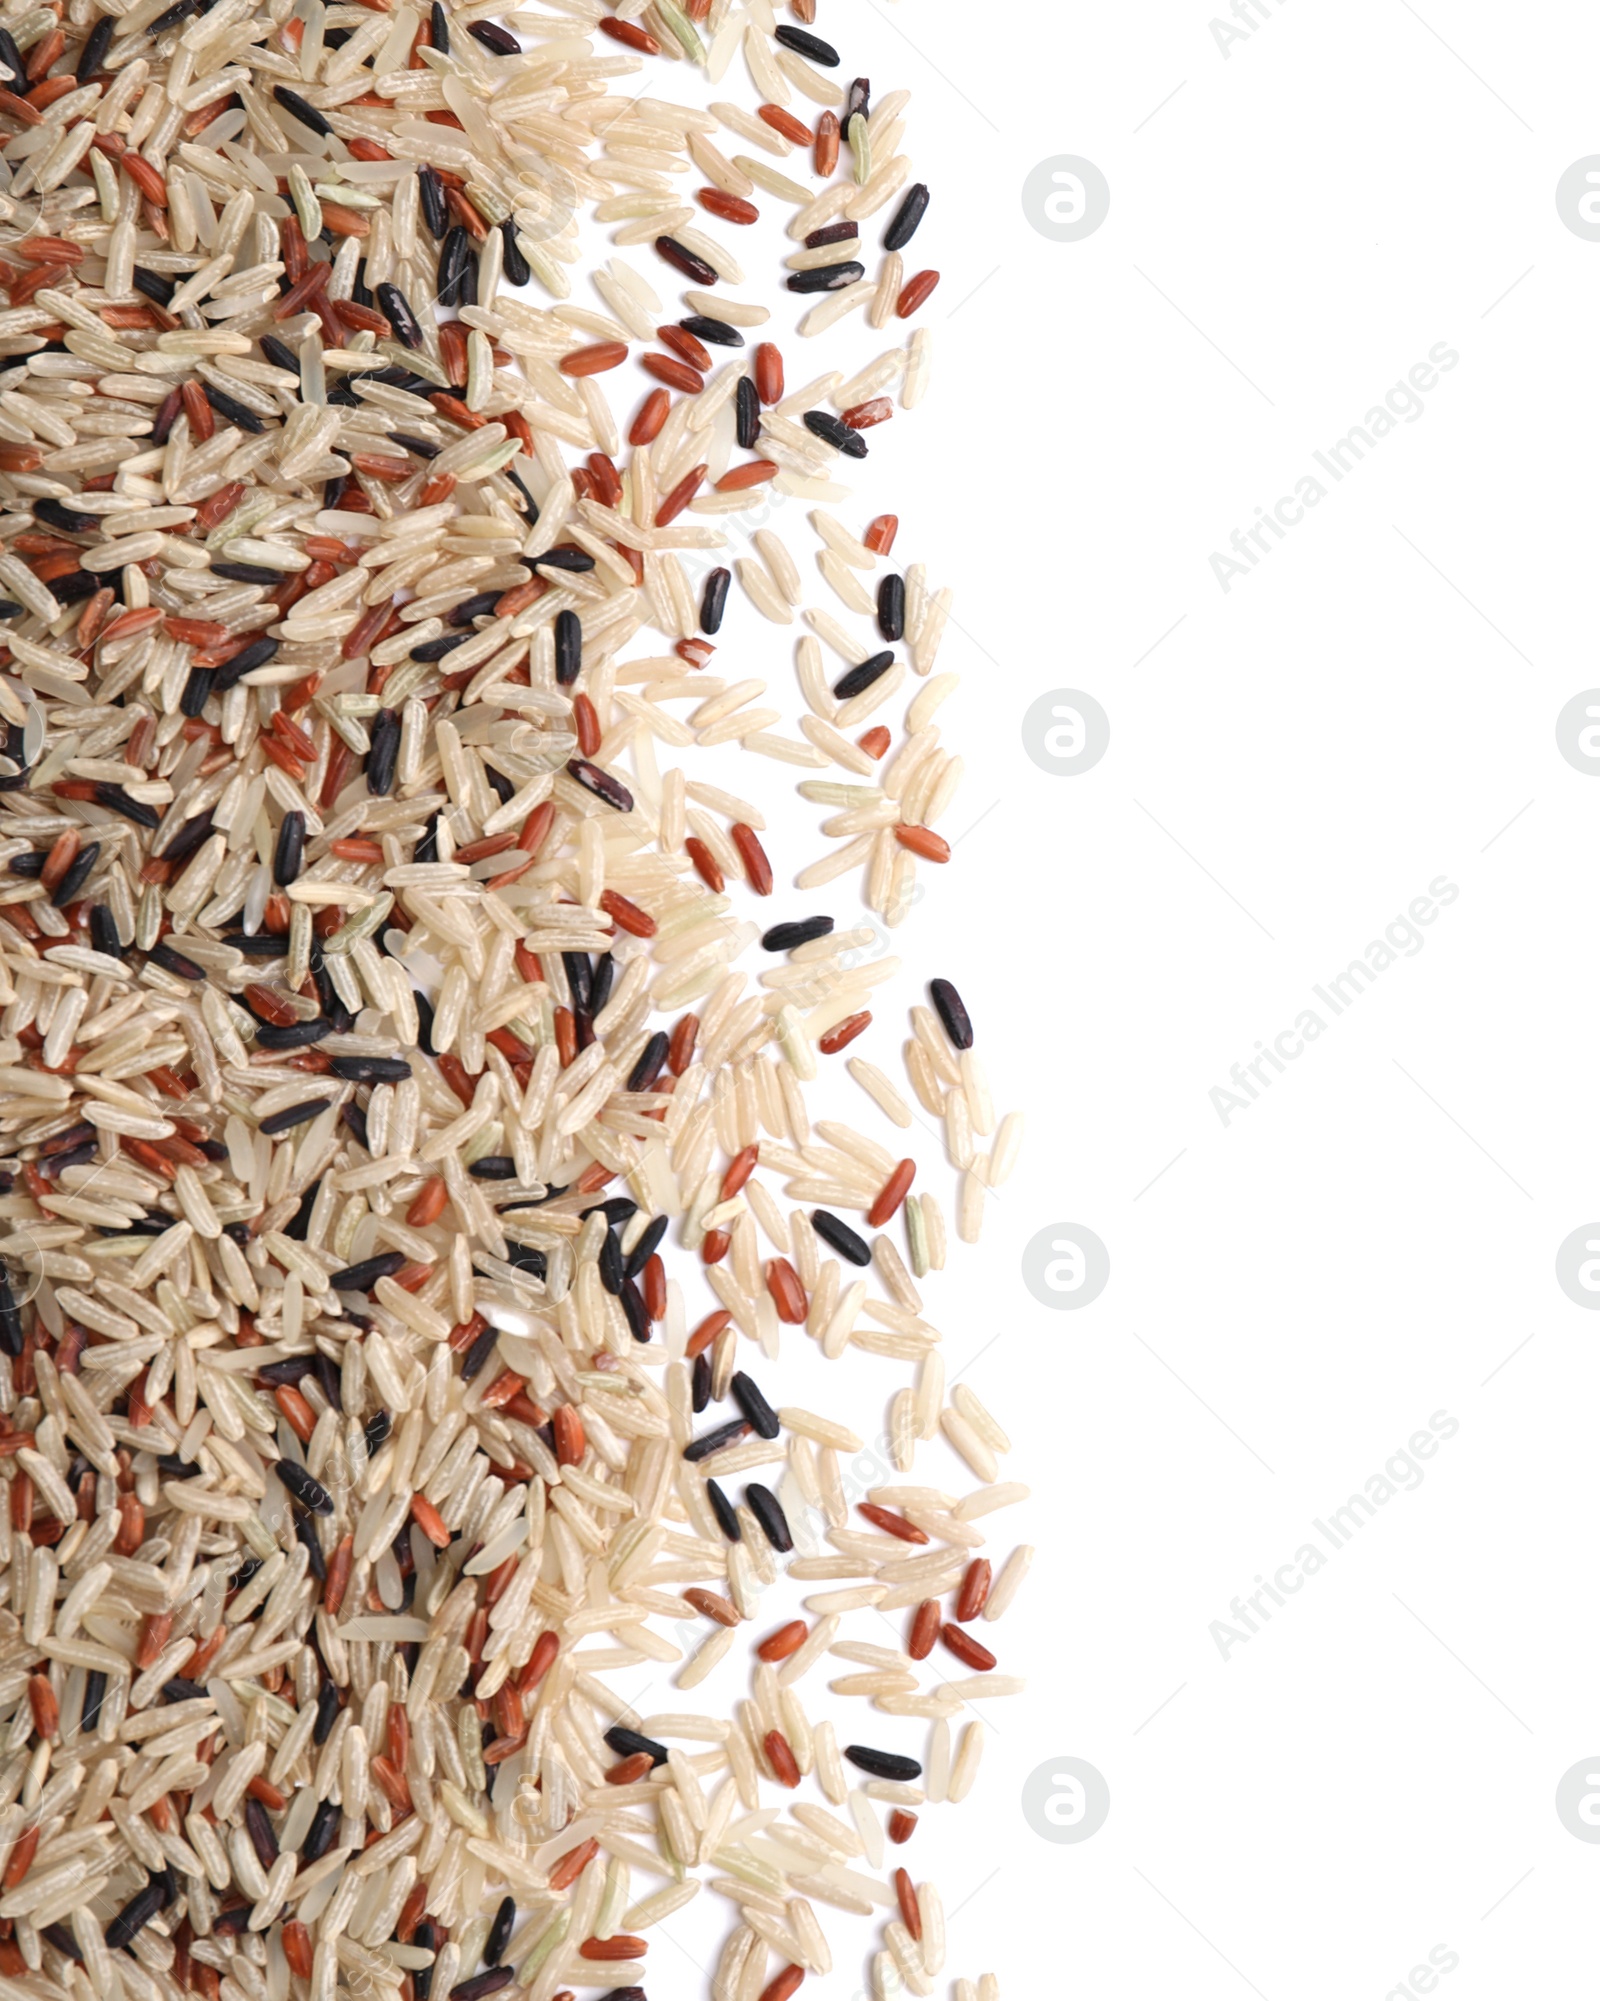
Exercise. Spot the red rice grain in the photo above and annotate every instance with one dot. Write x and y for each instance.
(785, 123)
(973, 1594)
(788, 1295)
(650, 416)
(786, 1640)
(758, 870)
(781, 1759)
(595, 360)
(906, 1897)
(768, 370)
(916, 293)
(892, 1194)
(843, 1033)
(966, 1648)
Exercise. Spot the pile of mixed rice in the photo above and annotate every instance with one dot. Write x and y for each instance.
(372, 1046)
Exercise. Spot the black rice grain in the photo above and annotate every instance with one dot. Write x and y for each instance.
(385, 750)
(231, 408)
(764, 1505)
(812, 47)
(601, 784)
(95, 48)
(717, 332)
(835, 431)
(259, 1828)
(324, 1822)
(610, 1262)
(628, 1743)
(173, 961)
(500, 1932)
(827, 277)
(755, 1406)
(645, 1249)
(67, 889)
(135, 1914)
(364, 1276)
(840, 1237)
(517, 269)
(907, 217)
(569, 647)
(196, 691)
(396, 309)
(785, 937)
(882, 1764)
(289, 853)
(308, 1492)
(233, 671)
(430, 194)
(892, 606)
(713, 1441)
(369, 1069)
(291, 1115)
(651, 1062)
(714, 600)
(952, 1012)
(498, 41)
(327, 1716)
(308, 115)
(725, 1512)
(293, 1034)
(746, 414)
(673, 252)
(861, 678)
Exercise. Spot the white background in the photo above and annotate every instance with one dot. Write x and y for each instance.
(1292, 228)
